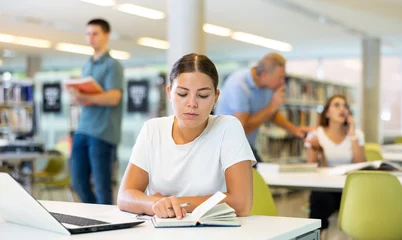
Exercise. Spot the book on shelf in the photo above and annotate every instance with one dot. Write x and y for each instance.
(86, 85)
(208, 213)
(372, 165)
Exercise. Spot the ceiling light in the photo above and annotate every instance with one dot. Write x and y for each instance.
(152, 42)
(6, 38)
(103, 3)
(265, 42)
(32, 42)
(86, 50)
(122, 55)
(216, 30)
(75, 48)
(140, 11)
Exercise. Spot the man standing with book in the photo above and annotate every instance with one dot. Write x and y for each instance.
(255, 95)
(98, 131)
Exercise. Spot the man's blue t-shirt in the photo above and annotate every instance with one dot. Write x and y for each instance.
(103, 122)
(241, 94)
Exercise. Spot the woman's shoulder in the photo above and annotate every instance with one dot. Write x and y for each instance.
(159, 122)
(225, 121)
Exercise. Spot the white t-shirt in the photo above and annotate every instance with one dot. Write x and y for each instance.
(193, 169)
(336, 154)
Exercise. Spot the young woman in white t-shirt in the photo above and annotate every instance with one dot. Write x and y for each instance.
(191, 155)
(336, 141)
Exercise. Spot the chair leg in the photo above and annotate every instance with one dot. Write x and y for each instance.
(40, 191)
(50, 193)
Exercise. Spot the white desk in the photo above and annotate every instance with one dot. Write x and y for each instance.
(392, 152)
(255, 227)
(318, 181)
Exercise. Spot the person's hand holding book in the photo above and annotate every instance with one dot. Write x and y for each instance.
(77, 97)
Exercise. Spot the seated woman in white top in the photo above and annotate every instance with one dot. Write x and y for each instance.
(334, 142)
(191, 155)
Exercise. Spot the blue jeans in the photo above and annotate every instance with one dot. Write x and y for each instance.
(92, 156)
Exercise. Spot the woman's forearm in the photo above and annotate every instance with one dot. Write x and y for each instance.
(241, 205)
(135, 201)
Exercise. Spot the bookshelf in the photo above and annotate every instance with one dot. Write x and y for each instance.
(305, 99)
(16, 108)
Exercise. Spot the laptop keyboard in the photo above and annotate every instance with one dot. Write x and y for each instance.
(74, 220)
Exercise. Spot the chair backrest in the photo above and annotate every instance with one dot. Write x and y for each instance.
(263, 203)
(398, 140)
(372, 152)
(371, 206)
(55, 165)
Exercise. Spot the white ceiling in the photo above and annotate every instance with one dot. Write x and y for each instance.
(62, 20)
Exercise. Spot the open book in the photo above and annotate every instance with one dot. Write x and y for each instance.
(86, 85)
(209, 213)
(373, 165)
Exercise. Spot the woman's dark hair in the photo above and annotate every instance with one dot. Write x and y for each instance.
(102, 23)
(195, 63)
(324, 122)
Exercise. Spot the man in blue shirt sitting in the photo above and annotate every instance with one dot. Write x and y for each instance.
(98, 132)
(255, 95)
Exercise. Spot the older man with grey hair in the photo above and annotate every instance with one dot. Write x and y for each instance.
(255, 95)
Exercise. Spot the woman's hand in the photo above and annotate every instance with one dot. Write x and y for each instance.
(314, 144)
(168, 207)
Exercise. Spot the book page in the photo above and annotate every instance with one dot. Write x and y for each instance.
(174, 222)
(343, 169)
(221, 210)
(207, 205)
(390, 166)
(229, 223)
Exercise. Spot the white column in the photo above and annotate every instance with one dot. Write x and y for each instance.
(185, 35)
(371, 114)
(33, 65)
(184, 31)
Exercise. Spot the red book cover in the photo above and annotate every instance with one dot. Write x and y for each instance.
(85, 85)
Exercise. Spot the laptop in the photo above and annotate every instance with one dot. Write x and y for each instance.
(18, 206)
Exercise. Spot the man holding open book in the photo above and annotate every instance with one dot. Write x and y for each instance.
(98, 133)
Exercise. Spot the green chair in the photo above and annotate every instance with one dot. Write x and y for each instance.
(55, 166)
(54, 176)
(371, 206)
(263, 203)
(61, 183)
(398, 140)
(372, 151)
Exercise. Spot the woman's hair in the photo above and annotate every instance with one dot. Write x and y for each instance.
(324, 122)
(195, 63)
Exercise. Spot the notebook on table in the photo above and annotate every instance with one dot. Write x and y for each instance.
(381, 165)
(209, 213)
